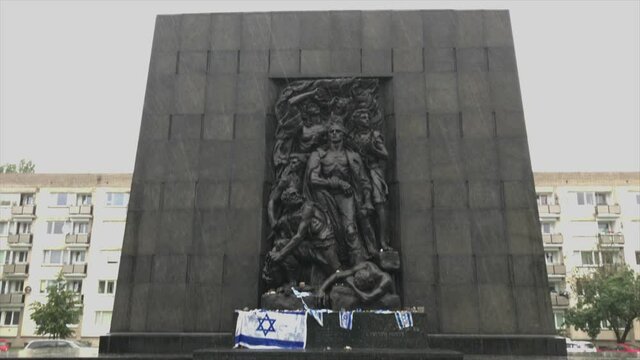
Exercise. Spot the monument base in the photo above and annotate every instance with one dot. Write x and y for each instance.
(318, 354)
(374, 334)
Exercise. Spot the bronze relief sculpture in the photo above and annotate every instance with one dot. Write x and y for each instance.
(328, 206)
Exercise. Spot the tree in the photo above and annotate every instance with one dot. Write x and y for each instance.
(23, 167)
(52, 318)
(611, 294)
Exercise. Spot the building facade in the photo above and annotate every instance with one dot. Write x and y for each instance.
(74, 224)
(587, 220)
(67, 224)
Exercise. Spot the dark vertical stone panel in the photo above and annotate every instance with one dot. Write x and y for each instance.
(440, 28)
(256, 31)
(195, 32)
(375, 30)
(226, 31)
(315, 30)
(466, 219)
(285, 30)
(406, 29)
(346, 30)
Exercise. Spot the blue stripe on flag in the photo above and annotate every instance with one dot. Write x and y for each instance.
(254, 341)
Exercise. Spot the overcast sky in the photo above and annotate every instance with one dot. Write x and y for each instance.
(73, 74)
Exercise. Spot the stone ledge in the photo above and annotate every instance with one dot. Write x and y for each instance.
(334, 354)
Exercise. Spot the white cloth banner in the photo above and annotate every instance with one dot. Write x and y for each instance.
(260, 329)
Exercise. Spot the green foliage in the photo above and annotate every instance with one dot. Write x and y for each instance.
(611, 294)
(23, 167)
(60, 309)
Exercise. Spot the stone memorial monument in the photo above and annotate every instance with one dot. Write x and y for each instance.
(376, 159)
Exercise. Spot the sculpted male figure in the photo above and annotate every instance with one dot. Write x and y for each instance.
(369, 283)
(371, 146)
(291, 177)
(314, 241)
(337, 181)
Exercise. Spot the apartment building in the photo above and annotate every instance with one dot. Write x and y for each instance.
(71, 224)
(587, 220)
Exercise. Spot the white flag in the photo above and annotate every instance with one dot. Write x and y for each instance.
(260, 329)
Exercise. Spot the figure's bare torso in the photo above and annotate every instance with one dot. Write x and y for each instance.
(335, 164)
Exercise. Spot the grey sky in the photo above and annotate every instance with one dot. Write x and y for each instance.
(73, 74)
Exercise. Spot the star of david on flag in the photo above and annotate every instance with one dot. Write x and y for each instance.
(261, 326)
(261, 329)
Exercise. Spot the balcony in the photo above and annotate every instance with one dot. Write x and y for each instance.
(552, 239)
(81, 211)
(559, 300)
(556, 269)
(16, 270)
(607, 211)
(77, 239)
(611, 239)
(24, 211)
(12, 299)
(549, 211)
(74, 270)
(23, 240)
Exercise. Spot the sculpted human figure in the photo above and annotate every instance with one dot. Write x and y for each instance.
(336, 179)
(368, 282)
(300, 124)
(291, 177)
(370, 144)
(313, 241)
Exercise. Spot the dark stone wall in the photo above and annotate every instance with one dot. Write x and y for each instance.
(465, 213)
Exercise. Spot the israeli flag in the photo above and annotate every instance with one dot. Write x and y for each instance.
(346, 319)
(260, 329)
(404, 319)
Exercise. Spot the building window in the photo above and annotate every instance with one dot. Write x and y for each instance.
(585, 198)
(81, 228)
(23, 228)
(26, 199)
(77, 256)
(103, 318)
(638, 257)
(62, 199)
(544, 199)
(4, 228)
(601, 199)
(16, 257)
(45, 285)
(606, 227)
(59, 257)
(106, 286)
(10, 318)
(117, 199)
(638, 199)
(75, 286)
(590, 258)
(56, 227)
(552, 257)
(558, 318)
(595, 258)
(546, 227)
(11, 286)
(83, 199)
(54, 257)
(611, 257)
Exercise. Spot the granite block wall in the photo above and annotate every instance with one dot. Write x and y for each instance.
(464, 201)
